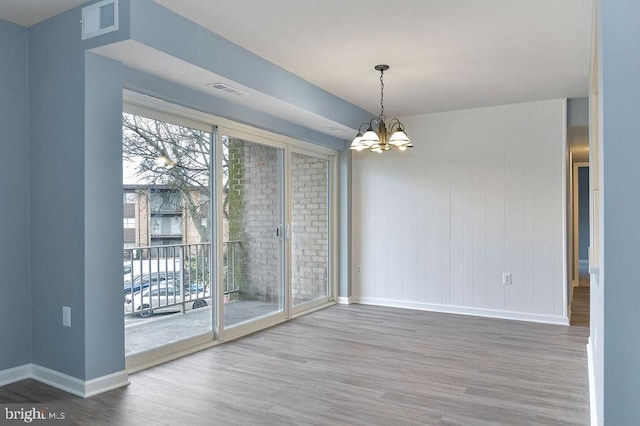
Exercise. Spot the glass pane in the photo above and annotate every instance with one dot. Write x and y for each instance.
(166, 237)
(310, 228)
(252, 233)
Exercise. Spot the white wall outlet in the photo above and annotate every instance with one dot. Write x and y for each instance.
(506, 278)
(358, 270)
(66, 316)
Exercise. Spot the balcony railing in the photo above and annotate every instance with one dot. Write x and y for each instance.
(175, 277)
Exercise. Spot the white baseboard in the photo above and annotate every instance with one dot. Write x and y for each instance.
(105, 383)
(592, 385)
(344, 300)
(63, 381)
(15, 374)
(464, 310)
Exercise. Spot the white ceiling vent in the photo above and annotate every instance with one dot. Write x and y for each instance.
(99, 18)
(230, 90)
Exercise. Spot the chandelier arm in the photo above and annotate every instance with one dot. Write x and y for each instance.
(395, 124)
(363, 124)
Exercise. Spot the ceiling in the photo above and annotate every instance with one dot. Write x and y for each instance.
(444, 54)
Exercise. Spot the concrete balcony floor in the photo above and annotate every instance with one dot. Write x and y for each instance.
(143, 334)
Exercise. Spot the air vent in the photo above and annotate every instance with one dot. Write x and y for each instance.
(99, 18)
(230, 90)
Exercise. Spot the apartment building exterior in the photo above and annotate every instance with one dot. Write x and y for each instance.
(157, 216)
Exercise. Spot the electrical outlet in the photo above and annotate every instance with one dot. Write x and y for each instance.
(358, 270)
(506, 278)
(66, 316)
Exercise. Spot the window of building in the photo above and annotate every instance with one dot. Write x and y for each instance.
(130, 197)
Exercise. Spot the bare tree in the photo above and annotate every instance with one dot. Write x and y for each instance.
(174, 156)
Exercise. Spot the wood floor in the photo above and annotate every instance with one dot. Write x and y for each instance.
(580, 306)
(357, 365)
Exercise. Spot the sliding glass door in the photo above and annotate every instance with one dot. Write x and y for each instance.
(167, 286)
(227, 229)
(253, 232)
(309, 230)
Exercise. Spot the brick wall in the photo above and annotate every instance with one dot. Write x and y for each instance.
(190, 233)
(254, 215)
(143, 234)
(310, 210)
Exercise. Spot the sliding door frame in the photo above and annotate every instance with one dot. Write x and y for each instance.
(332, 257)
(242, 329)
(162, 110)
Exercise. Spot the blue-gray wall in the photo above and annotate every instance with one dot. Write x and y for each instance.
(103, 239)
(617, 357)
(15, 304)
(57, 194)
(69, 264)
(345, 248)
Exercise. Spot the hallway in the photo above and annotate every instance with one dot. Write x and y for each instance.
(580, 306)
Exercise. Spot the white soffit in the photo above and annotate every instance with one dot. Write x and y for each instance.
(144, 58)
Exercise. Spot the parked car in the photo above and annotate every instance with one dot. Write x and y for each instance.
(167, 297)
(197, 287)
(146, 280)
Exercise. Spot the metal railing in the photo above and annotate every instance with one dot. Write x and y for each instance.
(232, 266)
(175, 277)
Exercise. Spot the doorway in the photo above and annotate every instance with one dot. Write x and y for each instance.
(581, 223)
(227, 229)
(253, 232)
(275, 222)
(580, 302)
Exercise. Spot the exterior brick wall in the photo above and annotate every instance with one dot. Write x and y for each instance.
(190, 233)
(254, 214)
(143, 235)
(310, 227)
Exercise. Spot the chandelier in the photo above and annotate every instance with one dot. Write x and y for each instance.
(382, 138)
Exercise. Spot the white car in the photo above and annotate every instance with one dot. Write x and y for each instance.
(165, 297)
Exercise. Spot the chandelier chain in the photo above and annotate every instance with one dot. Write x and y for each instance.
(382, 116)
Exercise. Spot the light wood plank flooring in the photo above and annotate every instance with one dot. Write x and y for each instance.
(580, 306)
(358, 365)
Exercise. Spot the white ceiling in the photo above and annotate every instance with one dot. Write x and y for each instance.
(444, 54)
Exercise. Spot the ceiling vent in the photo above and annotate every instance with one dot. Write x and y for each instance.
(99, 18)
(230, 90)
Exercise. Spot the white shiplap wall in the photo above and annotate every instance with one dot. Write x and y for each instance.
(480, 194)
